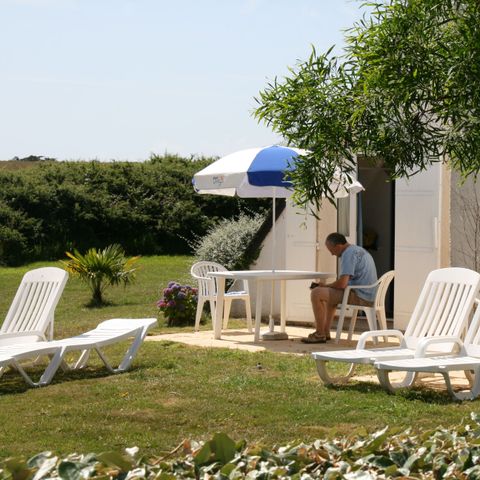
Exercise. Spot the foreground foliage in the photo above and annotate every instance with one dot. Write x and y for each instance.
(406, 90)
(440, 453)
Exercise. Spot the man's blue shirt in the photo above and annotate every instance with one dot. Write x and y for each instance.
(359, 265)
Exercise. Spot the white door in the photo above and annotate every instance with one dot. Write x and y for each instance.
(300, 254)
(417, 238)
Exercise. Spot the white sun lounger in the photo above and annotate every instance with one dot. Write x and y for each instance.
(106, 333)
(467, 360)
(442, 310)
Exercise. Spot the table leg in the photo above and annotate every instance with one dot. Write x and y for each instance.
(283, 306)
(218, 317)
(258, 310)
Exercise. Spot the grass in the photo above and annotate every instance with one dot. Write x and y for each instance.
(175, 392)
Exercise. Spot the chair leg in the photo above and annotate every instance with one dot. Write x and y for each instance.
(327, 379)
(248, 311)
(213, 308)
(372, 320)
(471, 394)
(384, 378)
(382, 319)
(353, 322)
(198, 315)
(382, 322)
(227, 306)
(341, 319)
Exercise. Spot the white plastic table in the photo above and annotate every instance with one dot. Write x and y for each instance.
(259, 277)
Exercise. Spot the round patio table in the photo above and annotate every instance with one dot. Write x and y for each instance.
(258, 278)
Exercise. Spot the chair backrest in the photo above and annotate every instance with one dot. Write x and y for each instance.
(33, 306)
(444, 305)
(383, 284)
(199, 271)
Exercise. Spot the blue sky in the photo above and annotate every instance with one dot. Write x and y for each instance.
(121, 79)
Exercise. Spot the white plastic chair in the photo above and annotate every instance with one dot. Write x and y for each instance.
(207, 292)
(30, 317)
(373, 313)
(442, 310)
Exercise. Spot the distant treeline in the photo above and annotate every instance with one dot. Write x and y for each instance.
(148, 207)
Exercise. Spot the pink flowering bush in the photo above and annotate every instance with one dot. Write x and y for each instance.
(179, 304)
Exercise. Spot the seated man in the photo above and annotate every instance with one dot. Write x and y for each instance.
(356, 268)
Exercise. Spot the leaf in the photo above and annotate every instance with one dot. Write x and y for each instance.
(46, 467)
(227, 469)
(203, 455)
(18, 468)
(223, 447)
(115, 459)
(69, 471)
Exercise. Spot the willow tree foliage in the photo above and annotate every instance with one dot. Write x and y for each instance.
(405, 90)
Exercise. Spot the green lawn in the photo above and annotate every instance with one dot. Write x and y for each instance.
(175, 392)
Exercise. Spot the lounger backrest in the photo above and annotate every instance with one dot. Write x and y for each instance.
(33, 307)
(444, 304)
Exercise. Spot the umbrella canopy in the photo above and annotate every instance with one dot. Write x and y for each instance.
(258, 173)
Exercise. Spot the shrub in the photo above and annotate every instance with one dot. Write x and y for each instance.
(101, 268)
(227, 242)
(179, 304)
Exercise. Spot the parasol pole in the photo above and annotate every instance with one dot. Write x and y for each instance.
(271, 322)
(272, 334)
(273, 227)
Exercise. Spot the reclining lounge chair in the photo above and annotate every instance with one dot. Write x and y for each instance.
(442, 310)
(106, 333)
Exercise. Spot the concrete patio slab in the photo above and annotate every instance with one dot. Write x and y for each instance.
(242, 340)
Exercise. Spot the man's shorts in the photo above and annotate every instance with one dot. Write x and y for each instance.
(354, 299)
(335, 296)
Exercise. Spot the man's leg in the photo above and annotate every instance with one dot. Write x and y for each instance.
(324, 303)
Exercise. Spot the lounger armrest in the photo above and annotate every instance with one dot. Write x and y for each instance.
(425, 343)
(378, 333)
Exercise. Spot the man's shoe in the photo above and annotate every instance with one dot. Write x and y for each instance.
(314, 338)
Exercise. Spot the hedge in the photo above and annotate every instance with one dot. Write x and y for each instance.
(148, 207)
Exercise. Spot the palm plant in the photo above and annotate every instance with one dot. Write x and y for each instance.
(101, 268)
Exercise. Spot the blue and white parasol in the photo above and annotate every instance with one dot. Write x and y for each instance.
(254, 173)
(259, 173)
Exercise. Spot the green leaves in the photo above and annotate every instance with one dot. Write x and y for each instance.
(406, 90)
(100, 268)
(220, 449)
(442, 453)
